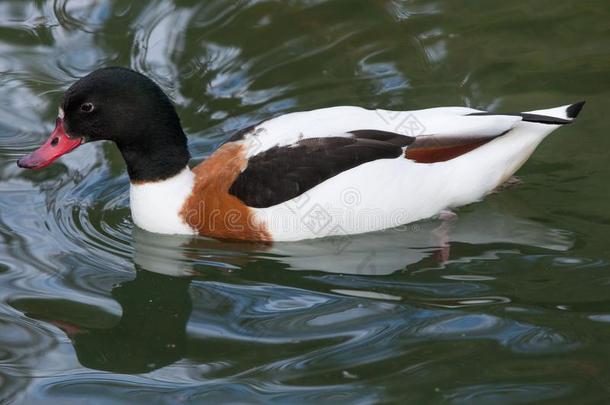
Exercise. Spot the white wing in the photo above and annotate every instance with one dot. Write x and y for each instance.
(338, 121)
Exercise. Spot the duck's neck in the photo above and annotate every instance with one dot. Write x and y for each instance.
(158, 206)
(161, 181)
(155, 158)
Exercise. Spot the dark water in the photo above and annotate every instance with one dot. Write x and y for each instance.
(508, 304)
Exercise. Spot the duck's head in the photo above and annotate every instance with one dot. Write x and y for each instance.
(127, 108)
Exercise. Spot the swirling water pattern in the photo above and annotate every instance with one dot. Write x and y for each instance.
(506, 304)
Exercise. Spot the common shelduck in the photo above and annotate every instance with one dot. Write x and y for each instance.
(327, 172)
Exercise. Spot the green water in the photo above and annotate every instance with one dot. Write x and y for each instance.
(515, 309)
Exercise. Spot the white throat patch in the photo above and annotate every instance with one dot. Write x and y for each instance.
(156, 206)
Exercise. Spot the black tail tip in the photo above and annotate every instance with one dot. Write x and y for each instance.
(574, 109)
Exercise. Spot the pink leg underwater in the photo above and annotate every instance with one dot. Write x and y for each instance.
(511, 182)
(441, 234)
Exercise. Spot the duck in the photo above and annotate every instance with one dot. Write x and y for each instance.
(328, 172)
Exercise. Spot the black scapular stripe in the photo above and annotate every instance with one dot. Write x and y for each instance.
(537, 118)
(282, 173)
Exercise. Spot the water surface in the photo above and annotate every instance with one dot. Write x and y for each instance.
(507, 304)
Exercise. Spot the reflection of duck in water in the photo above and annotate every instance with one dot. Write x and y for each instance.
(156, 306)
(332, 171)
(151, 332)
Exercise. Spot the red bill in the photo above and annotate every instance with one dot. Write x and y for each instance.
(59, 143)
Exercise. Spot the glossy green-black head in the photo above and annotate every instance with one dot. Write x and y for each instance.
(127, 108)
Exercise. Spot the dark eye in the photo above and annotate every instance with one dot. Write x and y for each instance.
(87, 107)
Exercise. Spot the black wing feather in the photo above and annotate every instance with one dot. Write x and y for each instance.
(282, 173)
